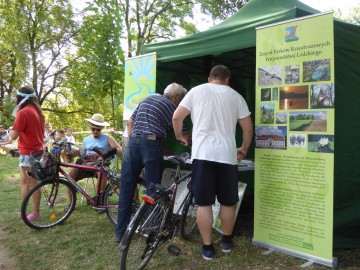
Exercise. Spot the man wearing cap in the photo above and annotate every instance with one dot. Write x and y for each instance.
(147, 128)
(96, 139)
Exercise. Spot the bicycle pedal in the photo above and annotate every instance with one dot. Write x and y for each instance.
(173, 250)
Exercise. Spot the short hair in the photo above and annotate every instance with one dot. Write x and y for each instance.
(220, 72)
(70, 129)
(62, 131)
(175, 89)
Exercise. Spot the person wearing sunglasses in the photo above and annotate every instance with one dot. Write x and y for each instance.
(96, 139)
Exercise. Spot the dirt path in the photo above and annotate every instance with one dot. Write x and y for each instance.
(316, 125)
(5, 261)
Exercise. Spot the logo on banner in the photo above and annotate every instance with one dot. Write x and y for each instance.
(291, 34)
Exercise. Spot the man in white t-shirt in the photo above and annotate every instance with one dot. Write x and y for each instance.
(215, 110)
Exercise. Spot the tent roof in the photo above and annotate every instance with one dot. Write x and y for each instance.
(234, 33)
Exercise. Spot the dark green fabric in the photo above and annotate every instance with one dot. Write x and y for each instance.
(188, 61)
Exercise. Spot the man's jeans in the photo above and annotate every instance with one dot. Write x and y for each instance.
(141, 152)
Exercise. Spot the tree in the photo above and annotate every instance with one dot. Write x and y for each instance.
(96, 73)
(221, 9)
(354, 16)
(44, 29)
(13, 61)
(148, 21)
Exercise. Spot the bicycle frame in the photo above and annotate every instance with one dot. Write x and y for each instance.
(172, 190)
(100, 178)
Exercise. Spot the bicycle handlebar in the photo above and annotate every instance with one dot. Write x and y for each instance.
(179, 159)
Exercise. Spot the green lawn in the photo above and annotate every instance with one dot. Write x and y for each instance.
(86, 241)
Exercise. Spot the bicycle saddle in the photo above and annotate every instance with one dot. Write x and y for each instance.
(179, 159)
(105, 152)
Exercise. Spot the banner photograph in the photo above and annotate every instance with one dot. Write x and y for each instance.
(294, 137)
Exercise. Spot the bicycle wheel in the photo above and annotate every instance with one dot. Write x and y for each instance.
(111, 199)
(144, 234)
(57, 201)
(188, 216)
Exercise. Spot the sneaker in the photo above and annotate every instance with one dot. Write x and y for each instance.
(32, 217)
(226, 247)
(118, 238)
(207, 254)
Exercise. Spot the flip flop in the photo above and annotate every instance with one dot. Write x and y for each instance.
(32, 217)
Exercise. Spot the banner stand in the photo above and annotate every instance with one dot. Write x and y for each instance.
(313, 259)
(295, 138)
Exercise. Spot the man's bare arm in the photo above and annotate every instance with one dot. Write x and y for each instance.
(177, 121)
(248, 130)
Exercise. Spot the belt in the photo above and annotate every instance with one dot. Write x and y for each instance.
(151, 137)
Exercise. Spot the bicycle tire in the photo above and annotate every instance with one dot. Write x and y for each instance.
(57, 202)
(144, 235)
(111, 200)
(188, 216)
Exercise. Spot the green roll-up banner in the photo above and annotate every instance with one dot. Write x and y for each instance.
(294, 138)
(140, 81)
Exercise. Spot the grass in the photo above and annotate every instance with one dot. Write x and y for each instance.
(86, 241)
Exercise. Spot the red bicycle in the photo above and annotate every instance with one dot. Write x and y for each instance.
(57, 190)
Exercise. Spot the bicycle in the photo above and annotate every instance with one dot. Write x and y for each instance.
(57, 190)
(155, 222)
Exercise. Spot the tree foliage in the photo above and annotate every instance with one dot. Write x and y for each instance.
(46, 28)
(13, 60)
(96, 73)
(354, 16)
(221, 9)
(148, 21)
(75, 65)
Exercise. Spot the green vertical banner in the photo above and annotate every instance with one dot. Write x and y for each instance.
(140, 81)
(294, 137)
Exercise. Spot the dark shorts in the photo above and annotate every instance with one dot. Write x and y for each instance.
(81, 174)
(212, 180)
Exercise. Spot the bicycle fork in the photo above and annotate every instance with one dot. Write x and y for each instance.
(172, 249)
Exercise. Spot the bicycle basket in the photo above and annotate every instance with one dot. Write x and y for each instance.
(44, 166)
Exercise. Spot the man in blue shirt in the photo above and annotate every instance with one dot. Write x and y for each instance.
(147, 128)
(96, 139)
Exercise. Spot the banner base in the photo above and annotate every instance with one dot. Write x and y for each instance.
(313, 259)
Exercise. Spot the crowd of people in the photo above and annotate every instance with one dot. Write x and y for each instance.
(215, 110)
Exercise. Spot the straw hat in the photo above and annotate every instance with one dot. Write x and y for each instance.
(98, 120)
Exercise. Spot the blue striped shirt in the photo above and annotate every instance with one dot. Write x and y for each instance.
(154, 116)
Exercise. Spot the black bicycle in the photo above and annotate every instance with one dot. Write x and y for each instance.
(161, 216)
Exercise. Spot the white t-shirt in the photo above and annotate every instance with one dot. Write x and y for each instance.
(70, 139)
(215, 110)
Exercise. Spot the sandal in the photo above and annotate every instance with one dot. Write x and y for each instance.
(32, 217)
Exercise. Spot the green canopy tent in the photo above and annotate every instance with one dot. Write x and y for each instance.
(232, 43)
